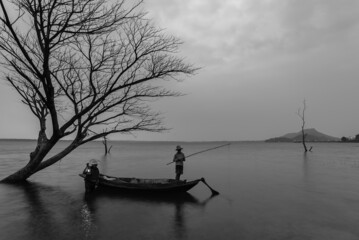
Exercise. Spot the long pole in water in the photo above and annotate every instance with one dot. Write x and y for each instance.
(203, 151)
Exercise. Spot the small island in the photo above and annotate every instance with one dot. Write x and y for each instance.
(312, 135)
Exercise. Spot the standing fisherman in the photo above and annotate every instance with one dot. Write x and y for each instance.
(179, 158)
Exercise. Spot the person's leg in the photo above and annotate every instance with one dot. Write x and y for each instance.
(177, 177)
(87, 187)
(179, 172)
(92, 186)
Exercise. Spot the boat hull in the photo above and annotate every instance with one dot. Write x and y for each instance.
(145, 185)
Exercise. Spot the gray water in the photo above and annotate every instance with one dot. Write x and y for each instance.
(268, 191)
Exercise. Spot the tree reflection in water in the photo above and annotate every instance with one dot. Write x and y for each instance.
(40, 222)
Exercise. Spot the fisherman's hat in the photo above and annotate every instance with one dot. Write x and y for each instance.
(93, 162)
(179, 147)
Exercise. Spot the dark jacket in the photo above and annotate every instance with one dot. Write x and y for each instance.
(92, 173)
(95, 173)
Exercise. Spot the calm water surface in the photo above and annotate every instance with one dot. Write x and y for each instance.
(268, 191)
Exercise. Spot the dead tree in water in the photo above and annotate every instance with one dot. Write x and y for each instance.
(107, 149)
(301, 114)
(82, 66)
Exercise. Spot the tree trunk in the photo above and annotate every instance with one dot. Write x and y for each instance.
(37, 162)
(105, 143)
(303, 141)
(107, 150)
(20, 176)
(42, 149)
(24, 173)
(57, 157)
(302, 116)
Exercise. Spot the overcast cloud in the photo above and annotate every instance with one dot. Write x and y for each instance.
(260, 59)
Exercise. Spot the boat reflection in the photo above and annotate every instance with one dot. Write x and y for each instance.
(156, 198)
(179, 202)
(50, 212)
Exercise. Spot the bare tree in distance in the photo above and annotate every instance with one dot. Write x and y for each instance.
(104, 142)
(85, 69)
(301, 114)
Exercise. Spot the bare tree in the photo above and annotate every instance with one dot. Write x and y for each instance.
(301, 114)
(104, 142)
(86, 69)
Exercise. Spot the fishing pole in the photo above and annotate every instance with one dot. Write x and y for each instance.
(209, 149)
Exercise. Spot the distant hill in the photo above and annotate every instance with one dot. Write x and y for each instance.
(312, 135)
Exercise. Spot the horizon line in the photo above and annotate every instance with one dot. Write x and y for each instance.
(118, 140)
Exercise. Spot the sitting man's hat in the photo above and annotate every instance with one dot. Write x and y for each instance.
(178, 147)
(93, 162)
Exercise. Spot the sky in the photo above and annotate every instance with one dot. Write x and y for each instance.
(259, 59)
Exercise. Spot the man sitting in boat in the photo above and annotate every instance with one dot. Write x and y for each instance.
(179, 158)
(92, 175)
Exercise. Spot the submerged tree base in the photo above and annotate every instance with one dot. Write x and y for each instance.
(20, 176)
(9, 180)
(13, 180)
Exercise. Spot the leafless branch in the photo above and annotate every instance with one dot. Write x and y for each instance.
(87, 68)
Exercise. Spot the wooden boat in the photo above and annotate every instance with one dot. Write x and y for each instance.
(146, 185)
